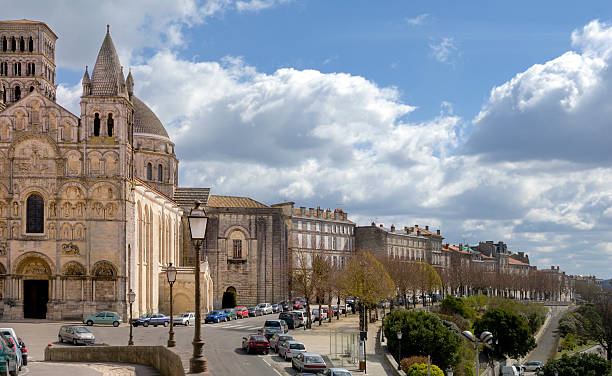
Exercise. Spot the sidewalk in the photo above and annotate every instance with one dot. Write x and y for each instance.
(318, 340)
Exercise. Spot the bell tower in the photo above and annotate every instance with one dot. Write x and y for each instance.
(27, 60)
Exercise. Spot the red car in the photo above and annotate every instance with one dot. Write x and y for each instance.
(255, 342)
(299, 303)
(242, 312)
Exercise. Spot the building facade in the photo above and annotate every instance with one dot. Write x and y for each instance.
(86, 207)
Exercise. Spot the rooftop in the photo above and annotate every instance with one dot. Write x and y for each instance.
(233, 202)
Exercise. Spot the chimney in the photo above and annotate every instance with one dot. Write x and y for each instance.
(426, 228)
(552, 267)
(302, 210)
(310, 211)
(417, 226)
(373, 224)
(418, 232)
(438, 232)
(392, 228)
(381, 225)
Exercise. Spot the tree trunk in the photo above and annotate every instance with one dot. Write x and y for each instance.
(308, 316)
(338, 317)
(329, 317)
(320, 314)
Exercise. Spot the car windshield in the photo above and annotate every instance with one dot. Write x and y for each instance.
(297, 346)
(273, 324)
(214, 313)
(252, 308)
(258, 338)
(262, 305)
(341, 373)
(285, 338)
(146, 316)
(81, 329)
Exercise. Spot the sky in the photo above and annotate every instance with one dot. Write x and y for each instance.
(487, 120)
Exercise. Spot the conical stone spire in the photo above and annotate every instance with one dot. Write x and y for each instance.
(130, 84)
(86, 79)
(107, 72)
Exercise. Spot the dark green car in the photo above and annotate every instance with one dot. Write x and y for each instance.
(8, 357)
(231, 314)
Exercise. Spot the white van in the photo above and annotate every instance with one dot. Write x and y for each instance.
(509, 371)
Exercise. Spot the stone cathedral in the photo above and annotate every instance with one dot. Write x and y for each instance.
(86, 202)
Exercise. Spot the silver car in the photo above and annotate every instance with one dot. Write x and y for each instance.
(290, 349)
(76, 334)
(184, 318)
(10, 334)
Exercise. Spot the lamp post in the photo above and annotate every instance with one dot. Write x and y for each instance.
(197, 228)
(485, 337)
(399, 351)
(449, 371)
(131, 297)
(171, 275)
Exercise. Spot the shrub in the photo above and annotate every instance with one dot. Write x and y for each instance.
(511, 332)
(569, 342)
(420, 369)
(451, 306)
(423, 334)
(229, 300)
(407, 362)
(577, 365)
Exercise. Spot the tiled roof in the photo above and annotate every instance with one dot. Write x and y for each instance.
(233, 202)
(424, 231)
(186, 197)
(105, 76)
(153, 189)
(145, 120)
(516, 262)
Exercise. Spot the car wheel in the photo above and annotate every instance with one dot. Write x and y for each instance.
(165, 324)
(60, 339)
(89, 323)
(187, 323)
(145, 324)
(265, 352)
(154, 325)
(13, 373)
(74, 342)
(116, 324)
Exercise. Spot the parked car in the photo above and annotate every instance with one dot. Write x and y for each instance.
(334, 310)
(255, 311)
(336, 372)
(184, 318)
(302, 318)
(274, 326)
(154, 319)
(230, 313)
(299, 303)
(266, 308)
(509, 371)
(290, 318)
(316, 315)
(520, 368)
(276, 308)
(10, 334)
(291, 349)
(215, 316)
(277, 339)
(436, 297)
(286, 306)
(76, 334)
(8, 357)
(326, 312)
(255, 342)
(533, 366)
(24, 352)
(308, 361)
(103, 318)
(242, 312)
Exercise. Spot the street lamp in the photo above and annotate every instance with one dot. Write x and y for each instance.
(131, 297)
(399, 351)
(197, 228)
(171, 275)
(485, 337)
(449, 371)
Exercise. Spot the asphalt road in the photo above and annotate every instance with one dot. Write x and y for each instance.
(547, 345)
(222, 346)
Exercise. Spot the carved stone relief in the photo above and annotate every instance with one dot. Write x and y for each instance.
(70, 249)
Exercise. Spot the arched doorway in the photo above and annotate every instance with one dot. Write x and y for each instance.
(35, 273)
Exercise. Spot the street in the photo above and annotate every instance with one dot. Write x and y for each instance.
(222, 346)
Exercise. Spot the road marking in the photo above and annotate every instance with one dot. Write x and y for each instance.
(269, 365)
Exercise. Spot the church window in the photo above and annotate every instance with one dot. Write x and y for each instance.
(97, 125)
(237, 246)
(4, 44)
(13, 44)
(110, 123)
(17, 93)
(35, 214)
(33, 69)
(160, 172)
(149, 171)
(31, 45)
(31, 89)
(21, 44)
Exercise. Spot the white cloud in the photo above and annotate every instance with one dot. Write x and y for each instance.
(444, 50)
(418, 20)
(257, 5)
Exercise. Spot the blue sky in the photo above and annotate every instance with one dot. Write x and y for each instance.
(488, 120)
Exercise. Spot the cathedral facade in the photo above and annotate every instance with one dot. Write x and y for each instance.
(86, 202)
